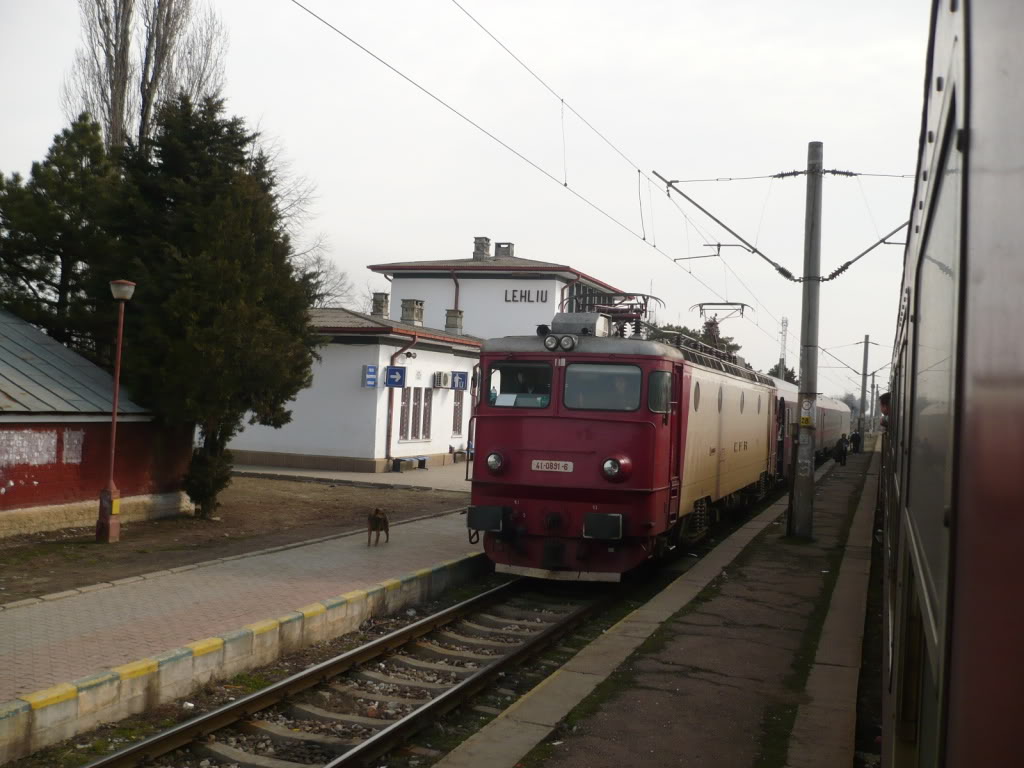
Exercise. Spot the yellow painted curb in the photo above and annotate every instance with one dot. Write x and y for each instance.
(313, 609)
(390, 584)
(203, 647)
(354, 595)
(260, 627)
(50, 696)
(423, 572)
(136, 669)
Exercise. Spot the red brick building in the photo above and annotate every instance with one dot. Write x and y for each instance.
(55, 440)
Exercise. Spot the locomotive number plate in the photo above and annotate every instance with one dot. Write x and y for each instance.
(541, 465)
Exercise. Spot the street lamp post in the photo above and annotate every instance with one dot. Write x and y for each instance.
(108, 525)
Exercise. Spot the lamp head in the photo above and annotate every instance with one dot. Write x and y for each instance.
(122, 290)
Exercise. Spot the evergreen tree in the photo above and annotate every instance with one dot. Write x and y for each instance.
(218, 328)
(53, 238)
(790, 375)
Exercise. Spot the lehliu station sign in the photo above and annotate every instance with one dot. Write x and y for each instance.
(526, 296)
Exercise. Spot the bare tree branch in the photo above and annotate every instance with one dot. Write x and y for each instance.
(332, 285)
(198, 66)
(127, 65)
(103, 67)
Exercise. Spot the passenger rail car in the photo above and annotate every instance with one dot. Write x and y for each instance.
(831, 422)
(953, 688)
(594, 453)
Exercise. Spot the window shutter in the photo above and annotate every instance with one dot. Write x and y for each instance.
(403, 422)
(457, 413)
(428, 402)
(417, 404)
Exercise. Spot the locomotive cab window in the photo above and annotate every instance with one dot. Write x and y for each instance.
(602, 387)
(659, 392)
(520, 385)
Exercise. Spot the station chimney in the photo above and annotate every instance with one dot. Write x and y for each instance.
(504, 250)
(453, 322)
(412, 311)
(379, 306)
(481, 248)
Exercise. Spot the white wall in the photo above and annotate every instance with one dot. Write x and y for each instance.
(333, 417)
(491, 307)
(337, 416)
(419, 373)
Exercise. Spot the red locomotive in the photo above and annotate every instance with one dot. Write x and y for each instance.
(595, 452)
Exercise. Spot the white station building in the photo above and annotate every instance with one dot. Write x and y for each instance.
(490, 295)
(397, 384)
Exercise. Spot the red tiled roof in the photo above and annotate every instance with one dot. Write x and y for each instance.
(495, 264)
(340, 320)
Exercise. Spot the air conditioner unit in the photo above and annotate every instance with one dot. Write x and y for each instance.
(443, 380)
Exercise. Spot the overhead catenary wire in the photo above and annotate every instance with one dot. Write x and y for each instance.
(625, 157)
(562, 183)
(540, 80)
(793, 174)
(469, 120)
(778, 267)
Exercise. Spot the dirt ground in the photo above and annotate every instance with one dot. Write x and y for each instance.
(255, 514)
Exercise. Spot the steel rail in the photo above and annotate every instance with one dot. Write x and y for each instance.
(389, 738)
(199, 727)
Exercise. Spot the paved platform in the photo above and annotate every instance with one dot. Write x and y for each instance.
(724, 681)
(58, 640)
(451, 477)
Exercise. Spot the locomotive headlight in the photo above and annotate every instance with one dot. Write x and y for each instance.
(551, 343)
(567, 343)
(495, 462)
(617, 468)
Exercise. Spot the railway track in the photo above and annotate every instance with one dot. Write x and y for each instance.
(352, 709)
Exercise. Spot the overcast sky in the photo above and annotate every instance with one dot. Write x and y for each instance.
(689, 88)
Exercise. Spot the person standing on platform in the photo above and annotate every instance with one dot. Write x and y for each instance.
(840, 450)
(855, 442)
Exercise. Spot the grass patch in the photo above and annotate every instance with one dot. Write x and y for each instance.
(249, 682)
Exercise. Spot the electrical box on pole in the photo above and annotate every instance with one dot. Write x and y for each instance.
(801, 519)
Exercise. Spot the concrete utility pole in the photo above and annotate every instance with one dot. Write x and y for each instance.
(863, 387)
(782, 348)
(801, 520)
(874, 400)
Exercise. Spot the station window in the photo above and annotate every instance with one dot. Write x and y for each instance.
(415, 418)
(602, 387)
(457, 413)
(520, 385)
(659, 392)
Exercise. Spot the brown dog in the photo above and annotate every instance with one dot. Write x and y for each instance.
(377, 522)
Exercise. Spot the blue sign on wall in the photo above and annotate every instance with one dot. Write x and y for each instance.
(369, 375)
(459, 379)
(394, 376)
